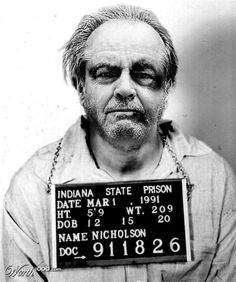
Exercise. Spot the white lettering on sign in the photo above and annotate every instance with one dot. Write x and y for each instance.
(63, 214)
(78, 193)
(132, 210)
(113, 223)
(68, 204)
(68, 251)
(74, 237)
(120, 233)
(67, 224)
(104, 202)
(115, 191)
(152, 189)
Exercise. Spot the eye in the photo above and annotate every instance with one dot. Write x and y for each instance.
(144, 78)
(106, 74)
(143, 75)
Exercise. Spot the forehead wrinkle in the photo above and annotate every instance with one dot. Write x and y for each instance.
(125, 39)
(146, 52)
(124, 59)
(122, 34)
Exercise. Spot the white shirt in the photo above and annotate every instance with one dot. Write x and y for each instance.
(212, 213)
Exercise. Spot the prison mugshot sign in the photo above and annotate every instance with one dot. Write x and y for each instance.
(96, 224)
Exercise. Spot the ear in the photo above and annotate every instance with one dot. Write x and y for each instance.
(74, 81)
(80, 87)
(81, 92)
(78, 84)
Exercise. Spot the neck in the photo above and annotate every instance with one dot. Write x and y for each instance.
(124, 162)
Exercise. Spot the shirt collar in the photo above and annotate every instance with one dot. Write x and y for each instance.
(78, 165)
(183, 145)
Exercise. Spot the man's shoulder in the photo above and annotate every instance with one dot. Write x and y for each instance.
(42, 158)
(202, 157)
(34, 172)
(193, 149)
(182, 143)
(205, 153)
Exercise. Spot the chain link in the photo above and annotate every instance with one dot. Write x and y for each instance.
(53, 167)
(179, 165)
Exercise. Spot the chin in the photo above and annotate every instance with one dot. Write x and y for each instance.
(124, 130)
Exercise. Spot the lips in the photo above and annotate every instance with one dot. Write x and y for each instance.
(124, 107)
(121, 110)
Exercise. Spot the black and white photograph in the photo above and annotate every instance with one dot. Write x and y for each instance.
(118, 151)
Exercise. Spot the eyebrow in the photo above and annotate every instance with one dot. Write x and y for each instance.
(140, 65)
(143, 64)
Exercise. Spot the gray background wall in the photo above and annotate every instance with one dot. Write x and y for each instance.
(37, 106)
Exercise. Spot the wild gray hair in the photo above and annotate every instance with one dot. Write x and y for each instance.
(74, 49)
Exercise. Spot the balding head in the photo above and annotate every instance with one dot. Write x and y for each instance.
(74, 59)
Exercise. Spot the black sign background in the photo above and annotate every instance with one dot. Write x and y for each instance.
(138, 225)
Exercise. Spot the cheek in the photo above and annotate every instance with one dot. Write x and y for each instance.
(152, 101)
(98, 95)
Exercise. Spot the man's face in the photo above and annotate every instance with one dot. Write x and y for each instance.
(123, 93)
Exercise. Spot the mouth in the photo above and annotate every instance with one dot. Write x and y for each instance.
(136, 115)
(123, 111)
(120, 111)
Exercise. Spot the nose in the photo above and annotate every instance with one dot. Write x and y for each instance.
(124, 87)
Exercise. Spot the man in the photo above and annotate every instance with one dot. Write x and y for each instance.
(122, 63)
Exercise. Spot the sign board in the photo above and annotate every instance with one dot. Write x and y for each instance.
(96, 224)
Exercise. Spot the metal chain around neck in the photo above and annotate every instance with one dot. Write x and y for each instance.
(53, 167)
(178, 164)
